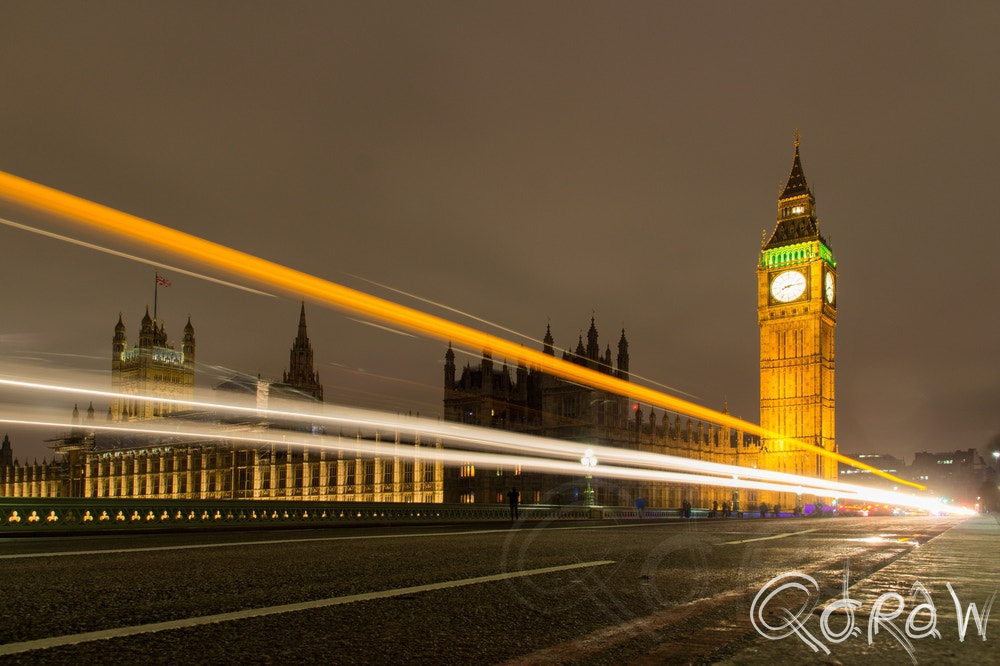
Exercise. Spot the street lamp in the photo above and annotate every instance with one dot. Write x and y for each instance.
(736, 496)
(589, 462)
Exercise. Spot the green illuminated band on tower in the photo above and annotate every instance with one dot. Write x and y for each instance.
(796, 253)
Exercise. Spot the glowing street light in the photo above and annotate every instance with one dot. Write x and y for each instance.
(589, 462)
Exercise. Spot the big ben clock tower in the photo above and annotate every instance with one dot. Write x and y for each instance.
(797, 312)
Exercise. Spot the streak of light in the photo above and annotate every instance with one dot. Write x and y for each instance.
(446, 308)
(179, 428)
(449, 431)
(132, 257)
(88, 357)
(256, 436)
(300, 284)
(384, 328)
(495, 325)
(686, 470)
(346, 369)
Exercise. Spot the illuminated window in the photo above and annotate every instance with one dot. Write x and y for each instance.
(467, 471)
(467, 498)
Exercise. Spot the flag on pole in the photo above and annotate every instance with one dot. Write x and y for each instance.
(162, 280)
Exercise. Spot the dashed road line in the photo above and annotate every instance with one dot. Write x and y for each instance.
(773, 536)
(119, 632)
(265, 542)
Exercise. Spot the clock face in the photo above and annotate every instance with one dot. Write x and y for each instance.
(828, 288)
(788, 286)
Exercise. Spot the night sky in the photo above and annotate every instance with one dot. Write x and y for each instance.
(530, 164)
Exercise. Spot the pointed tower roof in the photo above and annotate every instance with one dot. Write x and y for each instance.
(797, 221)
(593, 351)
(300, 374)
(548, 341)
(302, 337)
(796, 185)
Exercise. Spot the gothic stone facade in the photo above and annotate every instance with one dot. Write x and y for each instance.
(536, 403)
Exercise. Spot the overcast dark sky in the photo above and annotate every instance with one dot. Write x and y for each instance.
(527, 163)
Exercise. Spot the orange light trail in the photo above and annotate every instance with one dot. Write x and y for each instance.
(297, 283)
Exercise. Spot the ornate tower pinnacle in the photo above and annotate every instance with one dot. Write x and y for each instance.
(300, 374)
(796, 219)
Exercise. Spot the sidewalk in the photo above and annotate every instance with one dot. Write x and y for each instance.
(966, 556)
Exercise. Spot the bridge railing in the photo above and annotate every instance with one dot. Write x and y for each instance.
(60, 514)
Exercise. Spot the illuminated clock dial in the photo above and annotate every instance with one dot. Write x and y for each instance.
(828, 288)
(788, 286)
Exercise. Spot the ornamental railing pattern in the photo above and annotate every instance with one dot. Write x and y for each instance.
(59, 514)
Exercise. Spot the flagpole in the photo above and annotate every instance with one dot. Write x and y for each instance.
(157, 281)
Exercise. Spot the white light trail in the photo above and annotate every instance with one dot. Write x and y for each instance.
(479, 445)
(131, 257)
(499, 327)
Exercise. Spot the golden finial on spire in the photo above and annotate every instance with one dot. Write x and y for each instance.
(797, 137)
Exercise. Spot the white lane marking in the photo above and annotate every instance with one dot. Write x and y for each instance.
(151, 549)
(74, 639)
(773, 536)
(233, 544)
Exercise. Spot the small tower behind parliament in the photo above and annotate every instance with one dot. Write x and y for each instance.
(300, 375)
(797, 313)
(152, 368)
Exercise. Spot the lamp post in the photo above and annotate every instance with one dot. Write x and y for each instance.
(589, 462)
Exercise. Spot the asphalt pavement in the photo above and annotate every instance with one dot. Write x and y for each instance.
(593, 592)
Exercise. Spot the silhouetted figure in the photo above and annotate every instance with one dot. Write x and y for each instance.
(726, 511)
(763, 509)
(513, 497)
(640, 506)
(685, 509)
(715, 509)
(777, 511)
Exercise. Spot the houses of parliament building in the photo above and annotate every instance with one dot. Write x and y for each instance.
(796, 304)
(96, 462)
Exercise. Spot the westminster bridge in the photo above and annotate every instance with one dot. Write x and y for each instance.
(199, 582)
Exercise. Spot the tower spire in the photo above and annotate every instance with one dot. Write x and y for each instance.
(796, 220)
(300, 374)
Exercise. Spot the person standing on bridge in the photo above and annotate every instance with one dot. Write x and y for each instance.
(513, 497)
